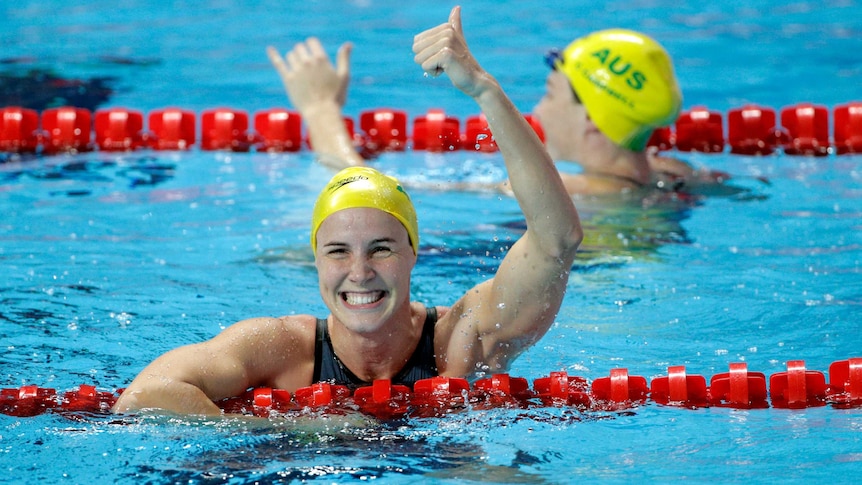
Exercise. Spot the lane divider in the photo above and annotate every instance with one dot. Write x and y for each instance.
(739, 388)
(801, 129)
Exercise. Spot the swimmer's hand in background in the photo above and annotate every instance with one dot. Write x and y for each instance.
(443, 49)
(308, 75)
(318, 90)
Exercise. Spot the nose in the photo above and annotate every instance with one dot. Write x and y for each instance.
(361, 270)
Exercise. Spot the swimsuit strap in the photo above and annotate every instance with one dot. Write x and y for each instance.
(320, 336)
(423, 363)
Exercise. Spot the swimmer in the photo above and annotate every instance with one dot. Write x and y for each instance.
(606, 94)
(365, 237)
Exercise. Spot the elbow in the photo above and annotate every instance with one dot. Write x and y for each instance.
(570, 242)
(576, 237)
(564, 247)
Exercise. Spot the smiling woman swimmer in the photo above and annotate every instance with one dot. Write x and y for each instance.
(365, 238)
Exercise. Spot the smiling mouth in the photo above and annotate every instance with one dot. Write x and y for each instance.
(363, 298)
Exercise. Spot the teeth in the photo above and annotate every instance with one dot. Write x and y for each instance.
(362, 298)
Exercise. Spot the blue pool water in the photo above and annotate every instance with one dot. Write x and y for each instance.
(108, 260)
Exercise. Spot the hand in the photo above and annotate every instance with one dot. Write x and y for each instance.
(309, 76)
(443, 49)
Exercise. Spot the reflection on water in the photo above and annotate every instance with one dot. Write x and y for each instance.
(38, 89)
(616, 227)
(350, 448)
(83, 172)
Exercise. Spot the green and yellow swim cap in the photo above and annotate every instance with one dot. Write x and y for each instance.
(626, 83)
(365, 187)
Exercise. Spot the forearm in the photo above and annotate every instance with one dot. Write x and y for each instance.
(547, 206)
(185, 380)
(159, 392)
(329, 137)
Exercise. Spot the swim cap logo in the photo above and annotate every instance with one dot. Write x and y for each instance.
(401, 189)
(617, 66)
(341, 183)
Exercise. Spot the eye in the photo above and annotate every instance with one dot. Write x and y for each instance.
(381, 251)
(337, 252)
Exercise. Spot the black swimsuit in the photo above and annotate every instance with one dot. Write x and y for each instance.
(422, 364)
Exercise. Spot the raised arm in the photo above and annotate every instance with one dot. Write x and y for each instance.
(318, 91)
(501, 317)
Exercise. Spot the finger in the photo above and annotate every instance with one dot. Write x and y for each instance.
(302, 50)
(422, 56)
(315, 48)
(276, 60)
(342, 63)
(298, 56)
(430, 36)
(434, 65)
(439, 46)
(274, 56)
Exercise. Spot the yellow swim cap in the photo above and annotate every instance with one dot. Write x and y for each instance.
(626, 82)
(365, 187)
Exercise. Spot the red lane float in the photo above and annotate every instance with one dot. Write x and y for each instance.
(436, 132)
(699, 129)
(804, 129)
(845, 382)
(172, 129)
(19, 130)
(680, 389)
(66, 129)
(808, 128)
(385, 130)
(225, 129)
(848, 128)
(561, 389)
(739, 388)
(119, 129)
(752, 130)
(280, 129)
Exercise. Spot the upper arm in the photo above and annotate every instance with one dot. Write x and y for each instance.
(499, 318)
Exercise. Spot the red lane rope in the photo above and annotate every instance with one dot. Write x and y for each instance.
(801, 129)
(739, 388)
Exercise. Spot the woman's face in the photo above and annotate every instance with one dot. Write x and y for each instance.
(364, 259)
(569, 133)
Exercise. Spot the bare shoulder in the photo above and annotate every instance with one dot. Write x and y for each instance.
(585, 184)
(575, 183)
(272, 328)
(275, 351)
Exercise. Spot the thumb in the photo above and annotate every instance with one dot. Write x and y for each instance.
(455, 18)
